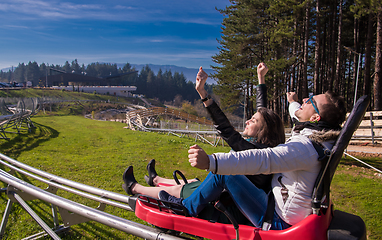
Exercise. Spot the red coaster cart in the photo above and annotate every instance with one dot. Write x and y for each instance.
(324, 223)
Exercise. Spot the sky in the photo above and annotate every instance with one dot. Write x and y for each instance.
(164, 32)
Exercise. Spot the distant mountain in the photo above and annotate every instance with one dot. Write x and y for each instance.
(6, 69)
(189, 73)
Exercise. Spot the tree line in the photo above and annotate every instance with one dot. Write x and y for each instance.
(309, 46)
(164, 86)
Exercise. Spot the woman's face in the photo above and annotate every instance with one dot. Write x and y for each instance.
(253, 125)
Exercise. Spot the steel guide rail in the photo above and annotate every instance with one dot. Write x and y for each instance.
(19, 191)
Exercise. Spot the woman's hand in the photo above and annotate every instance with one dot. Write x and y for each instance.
(201, 79)
(262, 69)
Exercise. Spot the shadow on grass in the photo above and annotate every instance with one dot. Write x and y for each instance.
(373, 161)
(27, 140)
(92, 229)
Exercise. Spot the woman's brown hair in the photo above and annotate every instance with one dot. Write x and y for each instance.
(272, 133)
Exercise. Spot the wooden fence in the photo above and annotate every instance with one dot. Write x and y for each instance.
(370, 128)
(139, 114)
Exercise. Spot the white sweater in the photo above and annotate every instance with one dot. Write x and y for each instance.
(295, 162)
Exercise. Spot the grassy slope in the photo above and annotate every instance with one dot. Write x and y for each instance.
(357, 190)
(67, 95)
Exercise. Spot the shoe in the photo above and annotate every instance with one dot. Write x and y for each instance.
(173, 203)
(152, 173)
(165, 196)
(129, 179)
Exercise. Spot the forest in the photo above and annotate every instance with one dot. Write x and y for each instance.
(165, 86)
(309, 47)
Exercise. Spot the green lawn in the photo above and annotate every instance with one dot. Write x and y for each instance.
(96, 153)
(358, 191)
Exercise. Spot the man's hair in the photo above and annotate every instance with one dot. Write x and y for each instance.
(272, 133)
(333, 112)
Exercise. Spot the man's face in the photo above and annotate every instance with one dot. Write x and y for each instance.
(253, 125)
(307, 111)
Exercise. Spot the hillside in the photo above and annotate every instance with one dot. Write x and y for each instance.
(63, 95)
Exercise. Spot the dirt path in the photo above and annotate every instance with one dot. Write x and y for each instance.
(365, 149)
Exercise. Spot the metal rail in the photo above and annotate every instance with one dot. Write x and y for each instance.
(199, 135)
(136, 118)
(71, 212)
(376, 169)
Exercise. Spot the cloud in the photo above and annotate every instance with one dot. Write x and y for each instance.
(136, 31)
(15, 26)
(121, 7)
(156, 40)
(139, 11)
(132, 57)
(187, 58)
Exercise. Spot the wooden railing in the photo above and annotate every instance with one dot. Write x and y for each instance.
(154, 111)
(370, 127)
(136, 120)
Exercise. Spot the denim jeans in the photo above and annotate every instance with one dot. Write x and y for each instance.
(251, 200)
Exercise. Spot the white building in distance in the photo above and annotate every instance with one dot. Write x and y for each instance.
(121, 91)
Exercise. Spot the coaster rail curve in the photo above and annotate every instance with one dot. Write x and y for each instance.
(136, 120)
(71, 212)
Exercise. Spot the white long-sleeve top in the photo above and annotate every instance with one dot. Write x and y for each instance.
(295, 162)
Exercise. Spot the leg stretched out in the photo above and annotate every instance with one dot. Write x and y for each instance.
(131, 186)
(250, 200)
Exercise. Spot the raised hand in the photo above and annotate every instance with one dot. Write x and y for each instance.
(201, 79)
(292, 97)
(262, 69)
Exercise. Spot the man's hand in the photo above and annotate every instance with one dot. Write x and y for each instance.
(198, 157)
(292, 97)
(201, 79)
(262, 69)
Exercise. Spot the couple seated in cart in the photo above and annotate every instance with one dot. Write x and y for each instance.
(259, 169)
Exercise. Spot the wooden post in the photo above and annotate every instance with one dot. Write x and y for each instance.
(371, 127)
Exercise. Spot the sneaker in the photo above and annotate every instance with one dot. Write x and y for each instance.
(165, 196)
(173, 203)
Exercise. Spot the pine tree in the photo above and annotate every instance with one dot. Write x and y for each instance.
(242, 48)
(378, 63)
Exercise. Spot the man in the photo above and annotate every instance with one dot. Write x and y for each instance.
(294, 165)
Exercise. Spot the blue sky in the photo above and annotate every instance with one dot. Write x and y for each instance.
(163, 32)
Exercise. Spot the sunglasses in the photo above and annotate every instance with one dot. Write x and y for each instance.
(313, 102)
